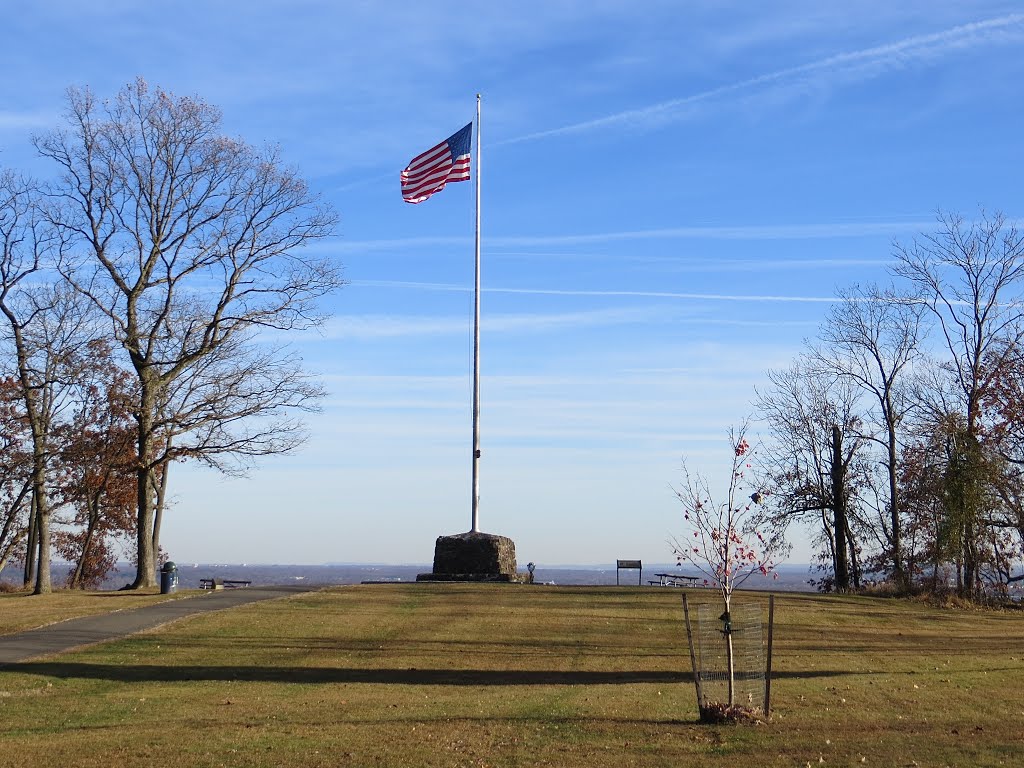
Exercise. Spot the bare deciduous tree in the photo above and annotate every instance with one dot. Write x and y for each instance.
(815, 427)
(44, 322)
(15, 473)
(190, 243)
(969, 275)
(872, 338)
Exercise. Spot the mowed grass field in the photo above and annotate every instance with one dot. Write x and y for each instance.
(489, 675)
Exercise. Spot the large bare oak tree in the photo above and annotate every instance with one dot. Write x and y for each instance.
(191, 244)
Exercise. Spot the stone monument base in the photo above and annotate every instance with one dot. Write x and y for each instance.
(474, 556)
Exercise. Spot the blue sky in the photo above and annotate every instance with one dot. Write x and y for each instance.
(672, 193)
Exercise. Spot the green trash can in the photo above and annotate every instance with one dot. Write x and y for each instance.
(168, 578)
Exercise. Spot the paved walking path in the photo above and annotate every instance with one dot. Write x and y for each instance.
(73, 633)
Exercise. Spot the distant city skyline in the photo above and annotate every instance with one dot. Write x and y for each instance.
(672, 193)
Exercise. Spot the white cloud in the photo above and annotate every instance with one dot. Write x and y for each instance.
(669, 295)
(566, 318)
(22, 121)
(381, 326)
(824, 231)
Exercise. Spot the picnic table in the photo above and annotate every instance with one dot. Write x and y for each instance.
(223, 583)
(674, 580)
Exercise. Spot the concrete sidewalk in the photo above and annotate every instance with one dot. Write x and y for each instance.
(65, 635)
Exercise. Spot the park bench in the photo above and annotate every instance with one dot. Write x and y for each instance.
(629, 565)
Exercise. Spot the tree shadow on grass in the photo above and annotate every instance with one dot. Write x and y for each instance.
(306, 675)
(521, 648)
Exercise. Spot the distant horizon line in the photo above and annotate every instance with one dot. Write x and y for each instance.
(427, 566)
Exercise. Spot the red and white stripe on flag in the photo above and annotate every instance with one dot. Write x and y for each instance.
(429, 172)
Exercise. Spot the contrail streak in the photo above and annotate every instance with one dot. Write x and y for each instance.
(890, 55)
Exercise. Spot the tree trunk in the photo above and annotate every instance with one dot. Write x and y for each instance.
(76, 578)
(161, 496)
(34, 397)
(145, 575)
(44, 585)
(898, 571)
(971, 561)
(40, 503)
(972, 511)
(839, 525)
(730, 657)
(854, 568)
(30, 548)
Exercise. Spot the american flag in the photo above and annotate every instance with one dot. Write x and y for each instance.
(429, 172)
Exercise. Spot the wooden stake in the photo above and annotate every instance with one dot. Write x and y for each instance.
(693, 656)
(768, 667)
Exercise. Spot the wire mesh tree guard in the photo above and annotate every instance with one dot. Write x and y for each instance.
(731, 655)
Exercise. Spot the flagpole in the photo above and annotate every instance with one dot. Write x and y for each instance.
(476, 341)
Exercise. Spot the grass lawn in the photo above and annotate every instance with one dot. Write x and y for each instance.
(486, 675)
